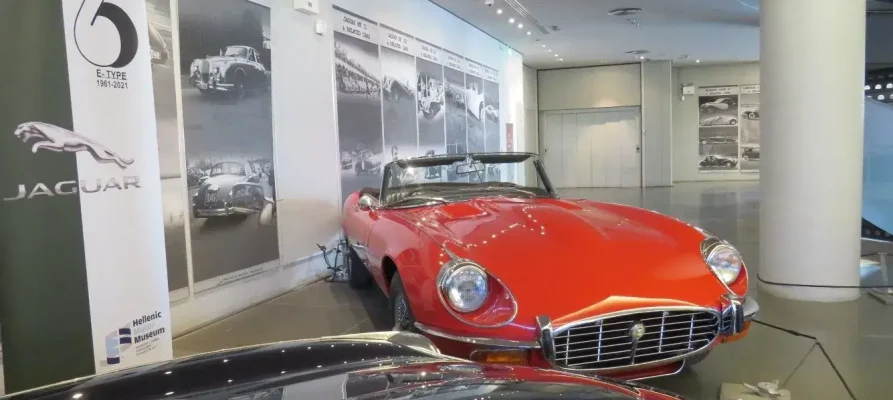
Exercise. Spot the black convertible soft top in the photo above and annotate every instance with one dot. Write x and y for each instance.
(486, 158)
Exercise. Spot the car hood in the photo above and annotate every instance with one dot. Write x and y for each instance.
(224, 181)
(217, 60)
(371, 365)
(571, 259)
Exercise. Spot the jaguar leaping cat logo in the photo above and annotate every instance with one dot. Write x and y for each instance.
(56, 139)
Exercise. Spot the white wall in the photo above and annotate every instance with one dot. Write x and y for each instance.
(590, 87)
(657, 123)
(685, 117)
(306, 140)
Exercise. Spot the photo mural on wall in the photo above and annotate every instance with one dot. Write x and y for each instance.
(718, 128)
(474, 106)
(172, 186)
(456, 116)
(359, 103)
(399, 96)
(749, 152)
(227, 114)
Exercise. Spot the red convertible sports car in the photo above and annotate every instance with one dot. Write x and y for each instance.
(500, 272)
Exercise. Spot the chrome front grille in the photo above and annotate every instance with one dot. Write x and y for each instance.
(611, 342)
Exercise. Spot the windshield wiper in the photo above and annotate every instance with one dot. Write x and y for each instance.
(424, 198)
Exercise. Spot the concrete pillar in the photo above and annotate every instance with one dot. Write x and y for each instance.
(812, 68)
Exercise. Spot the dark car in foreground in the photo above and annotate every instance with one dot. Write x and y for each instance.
(384, 365)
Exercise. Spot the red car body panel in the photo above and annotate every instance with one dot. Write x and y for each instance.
(566, 259)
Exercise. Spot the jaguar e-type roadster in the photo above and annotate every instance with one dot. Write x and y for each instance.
(505, 272)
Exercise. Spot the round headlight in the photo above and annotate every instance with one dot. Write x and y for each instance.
(725, 262)
(466, 288)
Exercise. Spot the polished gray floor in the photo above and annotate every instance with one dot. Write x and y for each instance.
(857, 335)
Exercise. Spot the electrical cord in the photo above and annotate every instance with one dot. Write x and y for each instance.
(337, 269)
(760, 278)
(816, 343)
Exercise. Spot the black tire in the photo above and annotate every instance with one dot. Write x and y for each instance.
(745, 157)
(239, 86)
(691, 361)
(481, 112)
(358, 276)
(400, 312)
(733, 122)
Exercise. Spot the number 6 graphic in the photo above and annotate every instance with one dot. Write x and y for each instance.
(126, 31)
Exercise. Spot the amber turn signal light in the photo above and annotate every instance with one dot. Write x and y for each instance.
(509, 357)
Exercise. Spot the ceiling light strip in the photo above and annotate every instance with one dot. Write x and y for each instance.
(522, 11)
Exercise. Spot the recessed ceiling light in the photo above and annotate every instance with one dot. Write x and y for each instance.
(697, 61)
(528, 32)
(520, 26)
(549, 50)
(560, 59)
(641, 57)
(556, 54)
(618, 12)
(544, 46)
(512, 20)
(499, 11)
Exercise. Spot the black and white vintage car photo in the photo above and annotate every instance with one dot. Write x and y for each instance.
(230, 189)
(235, 70)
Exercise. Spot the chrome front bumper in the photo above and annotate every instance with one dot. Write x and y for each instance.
(735, 314)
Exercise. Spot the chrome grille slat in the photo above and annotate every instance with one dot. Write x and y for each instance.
(607, 342)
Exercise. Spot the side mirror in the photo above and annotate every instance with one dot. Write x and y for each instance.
(367, 203)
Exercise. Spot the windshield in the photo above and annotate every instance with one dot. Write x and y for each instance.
(448, 178)
(228, 168)
(236, 51)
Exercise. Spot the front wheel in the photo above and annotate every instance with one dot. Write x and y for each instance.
(733, 122)
(745, 158)
(358, 277)
(400, 311)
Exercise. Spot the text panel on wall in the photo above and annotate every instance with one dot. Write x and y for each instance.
(399, 96)
(225, 75)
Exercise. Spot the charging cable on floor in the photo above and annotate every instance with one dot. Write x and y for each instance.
(816, 343)
(339, 271)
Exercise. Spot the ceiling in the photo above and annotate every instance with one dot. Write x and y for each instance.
(686, 31)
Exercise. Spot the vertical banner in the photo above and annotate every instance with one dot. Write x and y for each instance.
(172, 186)
(718, 128)
(456, 117)
(749, 153)
(225, 52)
(114, 139)
(474, 105)
(358, 100)
(398, 94)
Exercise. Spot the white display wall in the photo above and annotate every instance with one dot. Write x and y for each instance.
(305, 140)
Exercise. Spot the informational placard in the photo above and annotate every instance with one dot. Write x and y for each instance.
(473, 68)
(491, 74)
(718, 121)
(429, 52)
(454, 61)
(393, 39)
(750, 89)
(352, 25)
(401, 96)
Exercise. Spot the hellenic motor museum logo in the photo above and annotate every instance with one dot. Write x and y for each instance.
(44, 136)
(140, 333)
